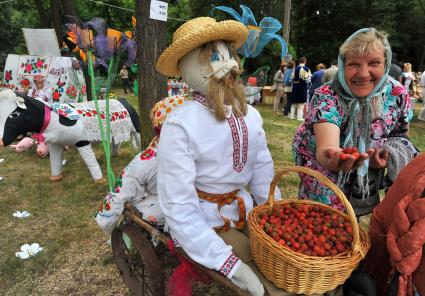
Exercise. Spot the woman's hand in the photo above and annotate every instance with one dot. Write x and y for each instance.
(378, 158)
(334, 162)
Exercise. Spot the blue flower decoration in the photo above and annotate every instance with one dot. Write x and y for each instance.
(258, 36)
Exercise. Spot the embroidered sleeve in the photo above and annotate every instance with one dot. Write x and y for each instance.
(230, 265)
(324, 107)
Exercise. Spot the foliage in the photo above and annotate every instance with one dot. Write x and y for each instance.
(320, 27)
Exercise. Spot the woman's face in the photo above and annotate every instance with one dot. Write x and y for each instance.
(39, 84)
(363, 73)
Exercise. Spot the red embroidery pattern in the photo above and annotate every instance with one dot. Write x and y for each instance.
(113, 115)
(237, 127)
(239, 159)
(148, 154)
(229, 264)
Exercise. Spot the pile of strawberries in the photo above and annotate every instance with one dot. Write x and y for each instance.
(312, 230)
(346, 152)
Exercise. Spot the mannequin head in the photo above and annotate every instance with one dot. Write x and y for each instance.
(213, 70)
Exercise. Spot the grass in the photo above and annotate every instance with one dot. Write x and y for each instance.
(75, 259)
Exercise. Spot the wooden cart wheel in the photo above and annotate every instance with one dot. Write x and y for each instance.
(138, 264)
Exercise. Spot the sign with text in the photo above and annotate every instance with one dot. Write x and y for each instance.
(158, 10)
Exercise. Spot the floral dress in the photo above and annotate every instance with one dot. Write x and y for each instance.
(391, 115)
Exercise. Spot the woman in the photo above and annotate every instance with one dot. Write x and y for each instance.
(407, 77)
(41, 91)
(301, 78)
(316, 79)
(288, 86)
(361, 108)
(278, 80)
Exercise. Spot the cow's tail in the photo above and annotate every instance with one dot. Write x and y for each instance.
(132, 112)
(135, 139)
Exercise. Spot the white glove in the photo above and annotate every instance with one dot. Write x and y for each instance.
(246, 279)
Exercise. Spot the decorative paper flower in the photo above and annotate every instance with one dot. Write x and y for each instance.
(8, 76)
(28, 251)
(56, 95)
(258, 36)
(20, 214)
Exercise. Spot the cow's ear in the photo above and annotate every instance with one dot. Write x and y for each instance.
(20, 102)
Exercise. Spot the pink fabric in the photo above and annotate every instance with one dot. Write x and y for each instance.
(39, 136)
(182, 278)
(47, 115)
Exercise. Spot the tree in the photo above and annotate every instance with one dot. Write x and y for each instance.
(152, 40)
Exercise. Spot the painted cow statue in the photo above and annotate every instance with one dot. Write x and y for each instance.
(64, 124)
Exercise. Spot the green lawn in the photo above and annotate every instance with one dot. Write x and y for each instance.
(75, 259)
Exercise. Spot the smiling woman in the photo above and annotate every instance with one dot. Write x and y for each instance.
(361, 109)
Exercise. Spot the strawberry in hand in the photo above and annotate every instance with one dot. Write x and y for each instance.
(344, 159)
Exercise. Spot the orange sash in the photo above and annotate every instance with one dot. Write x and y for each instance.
(226, 199)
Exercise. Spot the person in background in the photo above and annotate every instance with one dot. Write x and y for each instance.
(395, 70)
(301, 78)
(40, 91)
(330, 73)
(25, 85)
(316, 79)
(288, 86)
(361, 108)
(278, 79)
(407, 78)
(125, 79)
(422, 85)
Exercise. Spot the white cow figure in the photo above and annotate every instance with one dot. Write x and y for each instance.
(59, 126)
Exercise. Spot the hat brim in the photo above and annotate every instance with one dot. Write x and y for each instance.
(232, 31)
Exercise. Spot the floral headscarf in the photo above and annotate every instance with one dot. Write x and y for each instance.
(355, 106)
(159, 114)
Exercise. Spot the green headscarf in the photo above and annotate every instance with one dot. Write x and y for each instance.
(353, 106)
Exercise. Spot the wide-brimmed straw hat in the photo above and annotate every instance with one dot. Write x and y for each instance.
(194, 33)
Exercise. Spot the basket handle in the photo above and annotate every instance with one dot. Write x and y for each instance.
(324, 180)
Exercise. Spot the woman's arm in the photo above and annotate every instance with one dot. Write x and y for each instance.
(328, 150)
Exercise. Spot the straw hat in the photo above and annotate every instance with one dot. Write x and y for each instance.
(194, 33)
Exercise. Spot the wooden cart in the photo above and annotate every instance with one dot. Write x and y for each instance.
(140, 265)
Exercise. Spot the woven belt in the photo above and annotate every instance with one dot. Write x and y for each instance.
(226, 199)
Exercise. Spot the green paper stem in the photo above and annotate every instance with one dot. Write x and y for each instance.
(106, 145)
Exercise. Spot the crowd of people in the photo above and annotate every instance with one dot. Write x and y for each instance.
(201, 177)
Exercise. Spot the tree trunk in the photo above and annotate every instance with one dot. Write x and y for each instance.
(44, 19)
(69, 11)
(57, 20)
(152, 40)
(286, 20)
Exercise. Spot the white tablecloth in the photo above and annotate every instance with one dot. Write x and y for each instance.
(253, 94)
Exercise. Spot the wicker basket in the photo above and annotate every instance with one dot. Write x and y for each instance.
(296, 272)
